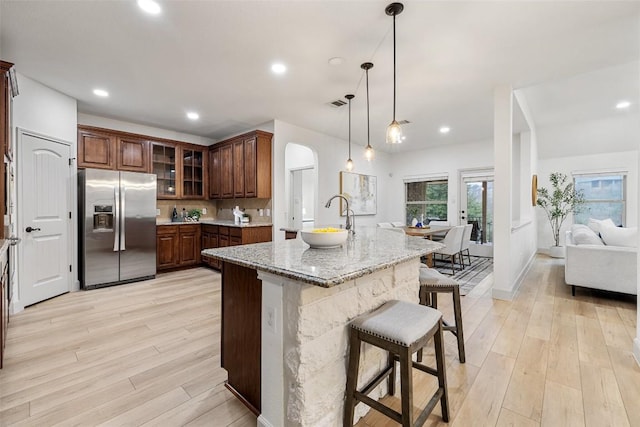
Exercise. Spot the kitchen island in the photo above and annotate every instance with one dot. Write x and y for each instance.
(285, 314)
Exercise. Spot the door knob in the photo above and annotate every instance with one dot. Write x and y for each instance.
(30, 229)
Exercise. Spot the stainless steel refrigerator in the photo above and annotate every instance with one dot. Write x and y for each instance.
(117, 227)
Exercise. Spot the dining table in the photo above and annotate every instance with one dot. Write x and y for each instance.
(428, 232)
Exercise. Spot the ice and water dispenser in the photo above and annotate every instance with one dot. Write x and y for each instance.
(102, 218)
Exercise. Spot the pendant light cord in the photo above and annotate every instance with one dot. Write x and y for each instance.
(349, 128)
(368, 130)
(394, 67)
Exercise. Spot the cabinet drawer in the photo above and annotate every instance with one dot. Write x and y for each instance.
(223, 231)
(235, 232)
(234, 241)
(213, 229)
(191, 228)
(167, 229)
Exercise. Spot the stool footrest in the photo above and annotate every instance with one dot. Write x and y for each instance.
(396, 416)
(427, 410)
(377, 380)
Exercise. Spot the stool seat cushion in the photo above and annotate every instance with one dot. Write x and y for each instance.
(432, 277)
(399, 322)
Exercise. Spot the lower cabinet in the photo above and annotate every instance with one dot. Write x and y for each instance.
(177, 246)
(214, 236)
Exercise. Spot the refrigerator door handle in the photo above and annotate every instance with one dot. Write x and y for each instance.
(116, 220)
(124, 217)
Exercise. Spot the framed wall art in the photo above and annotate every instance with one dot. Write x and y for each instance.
(361, 190)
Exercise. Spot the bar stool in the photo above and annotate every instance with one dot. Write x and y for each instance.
(432, 282)
(401, 328)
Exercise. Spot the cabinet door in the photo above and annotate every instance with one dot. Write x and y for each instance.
(189, 244)
(163, 165)
(167, 246)
(214, 174)
(226, 171)
(133, 155)
(238, 168)
(250, 176)
(96, 150)
(5, 113)
(192, 173)
(206, 244)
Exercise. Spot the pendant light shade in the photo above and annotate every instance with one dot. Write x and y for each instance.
(394, 132)
(349, 161)
(368, 152)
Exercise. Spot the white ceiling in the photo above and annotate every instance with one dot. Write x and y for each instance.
(214, 57)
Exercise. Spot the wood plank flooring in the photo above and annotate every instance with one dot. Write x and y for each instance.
(148, 354)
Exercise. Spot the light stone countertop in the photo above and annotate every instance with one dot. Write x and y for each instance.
(370, 250)
(227, 223)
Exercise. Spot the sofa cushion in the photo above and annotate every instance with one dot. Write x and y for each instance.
(583, 235)
(597, 224)
(618, 236)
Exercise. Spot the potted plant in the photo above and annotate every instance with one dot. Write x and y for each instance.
(558, 203)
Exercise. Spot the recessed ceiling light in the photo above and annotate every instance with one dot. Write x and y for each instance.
(336, 60)
(445, 129)
(193, 115)
(622, 105)
(101, 93)
(278, 68)
(150, 6)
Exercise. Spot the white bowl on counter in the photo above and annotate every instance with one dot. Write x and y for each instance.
(320, 240)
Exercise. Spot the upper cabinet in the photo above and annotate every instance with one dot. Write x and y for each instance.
(164, 165)
(96, 149)
(241, 167)
(132, 155)
(193, 172)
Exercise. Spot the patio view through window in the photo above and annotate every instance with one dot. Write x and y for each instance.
(605, 197)
(480, 209)
(426, 199)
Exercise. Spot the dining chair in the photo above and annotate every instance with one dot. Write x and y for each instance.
(436, 222)
(453, 243)
(385, 225)
(466, 241)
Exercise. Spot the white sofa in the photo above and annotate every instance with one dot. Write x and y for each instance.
(610, 268)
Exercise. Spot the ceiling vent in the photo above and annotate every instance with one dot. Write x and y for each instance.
(404, 122)
(337, 103)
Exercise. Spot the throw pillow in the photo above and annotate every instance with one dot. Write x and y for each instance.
(597, 224)
(618, 236)
(583, 235)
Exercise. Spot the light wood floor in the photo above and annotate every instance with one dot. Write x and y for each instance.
(148, 354)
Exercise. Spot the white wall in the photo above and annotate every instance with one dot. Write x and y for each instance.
(44, 111)
(331, 156)
(104, 122)
(627, 160)
(440, 160)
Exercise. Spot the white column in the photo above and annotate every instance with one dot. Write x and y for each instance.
(636, 341)
(502, 154)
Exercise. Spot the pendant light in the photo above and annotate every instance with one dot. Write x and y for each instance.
(368, 153)
(349, 161)
(394, 132)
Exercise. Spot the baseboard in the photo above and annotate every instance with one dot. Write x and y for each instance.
(509, 295)
(263, 422)
(636, 349)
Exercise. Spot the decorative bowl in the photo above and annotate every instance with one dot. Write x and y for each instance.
(323, 238)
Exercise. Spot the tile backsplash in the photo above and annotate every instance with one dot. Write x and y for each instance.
(218, 209)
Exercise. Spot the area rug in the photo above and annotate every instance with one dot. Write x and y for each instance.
(468, 278)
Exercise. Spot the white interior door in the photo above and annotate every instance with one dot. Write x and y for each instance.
(295, 220)
(44, 178)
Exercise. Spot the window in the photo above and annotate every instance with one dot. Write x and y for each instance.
(426, 200)
(605, 196)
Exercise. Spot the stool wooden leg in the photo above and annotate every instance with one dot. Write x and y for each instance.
(457, 311)
(425, 298)
(352, 377)
(406, 387)
(392, 376)
(442, 373)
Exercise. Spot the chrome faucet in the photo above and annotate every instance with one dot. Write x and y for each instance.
(348, 222)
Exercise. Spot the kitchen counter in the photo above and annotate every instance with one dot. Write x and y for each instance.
(286, 310)
(369, 250)
(228, 223)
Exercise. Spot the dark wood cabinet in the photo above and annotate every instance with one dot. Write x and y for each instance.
(189, 244)
(96, 149)
(221, 236)
(167, 247)
(193, 167)
(226, 171)
(210, 241)
(241, 167)
(164, 161)
(214, 174)
(8, 89)
(132, 155)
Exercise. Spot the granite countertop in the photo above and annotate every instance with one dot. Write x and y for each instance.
(228, 223)
(370, 250)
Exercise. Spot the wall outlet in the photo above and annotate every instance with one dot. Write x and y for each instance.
(204, 211)
(268, 212)
(261, 212)
(157, 212)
